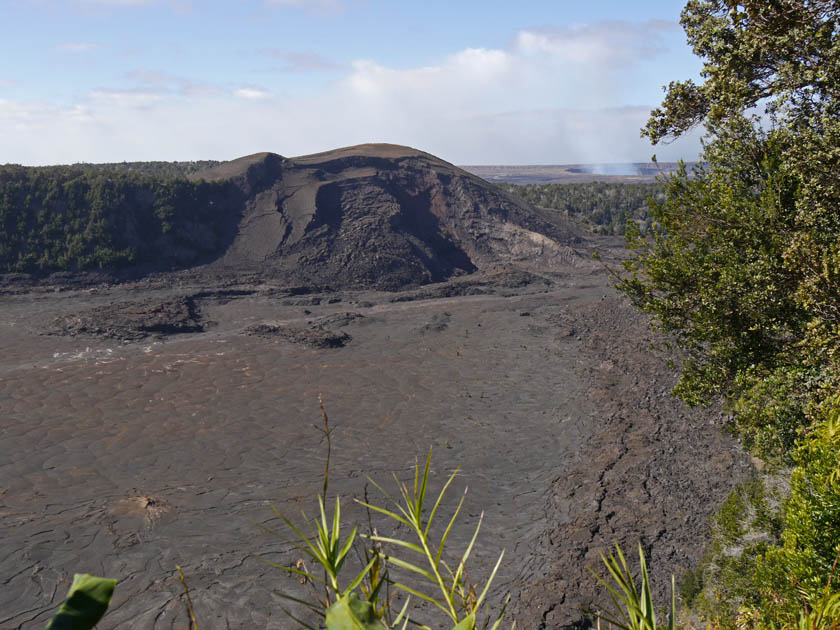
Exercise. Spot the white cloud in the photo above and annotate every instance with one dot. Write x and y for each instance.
(152, 77)
(473, 80)
(170, 84)
(18, 113)
(125, 98)
(553, 96)
(616, 43)
(252, 94)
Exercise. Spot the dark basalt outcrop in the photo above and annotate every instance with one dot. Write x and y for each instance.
(314, 336)
(380, 216)
(132, 321)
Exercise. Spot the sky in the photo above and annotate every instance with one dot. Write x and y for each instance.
(474, 82)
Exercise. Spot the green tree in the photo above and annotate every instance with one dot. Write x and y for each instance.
(714, 276)
(604, 207)
(743, 266)
(783, 53)
(89, 217)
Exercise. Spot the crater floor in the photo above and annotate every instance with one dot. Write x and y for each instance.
(127, 457)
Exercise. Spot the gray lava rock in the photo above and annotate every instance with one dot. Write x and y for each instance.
(338, 320)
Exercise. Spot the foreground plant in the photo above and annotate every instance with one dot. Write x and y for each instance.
(456, 596)
(364, 601)
(633, 606)
(330, 553)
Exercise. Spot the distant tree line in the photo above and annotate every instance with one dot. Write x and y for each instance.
(154, 169)
(93, 217)
(604, 207)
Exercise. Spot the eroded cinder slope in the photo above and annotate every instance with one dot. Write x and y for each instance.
(381, 216)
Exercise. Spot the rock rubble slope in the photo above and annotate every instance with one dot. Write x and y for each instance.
(380, 216)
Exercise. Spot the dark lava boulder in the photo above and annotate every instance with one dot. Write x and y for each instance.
(380, 216)
(132, 321)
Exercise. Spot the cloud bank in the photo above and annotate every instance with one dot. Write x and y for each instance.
(554, 95)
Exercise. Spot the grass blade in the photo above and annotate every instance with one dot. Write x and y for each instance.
(316, 609)
(358, 579)
(309, 549)
(672, 618)
(498, 621)
(448, 569)
(385, 492)
(386, 512)
(348, 544)
(449, 527)
(323, 532)
(465, 557)
(648, 614)
(397, 542)
(300, 622)
(402, 614)
(440, 498)
(425, 482)
(425, 597)
(336, 532)
(489, 581)
(295, 571)
(411, 567)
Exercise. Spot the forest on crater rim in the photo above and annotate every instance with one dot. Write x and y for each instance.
(741, 270)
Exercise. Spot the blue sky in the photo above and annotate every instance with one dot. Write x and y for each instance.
(492, 82)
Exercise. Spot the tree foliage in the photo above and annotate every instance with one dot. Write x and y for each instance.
(742, 269)
(784, 53)
(714, 276)
(743, 265)
(71, 218)
(605, 208)
(164, 170)
(803, 567)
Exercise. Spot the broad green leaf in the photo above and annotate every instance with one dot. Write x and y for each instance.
(352, 613)
(467, 623)
(86, 603)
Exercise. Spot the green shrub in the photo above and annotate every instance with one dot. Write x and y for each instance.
(802, 567)
(690, 585)
(605, 208)
(772, 561)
